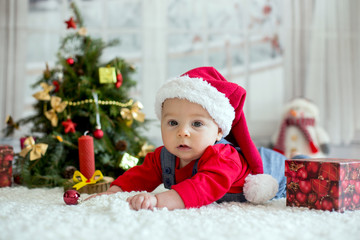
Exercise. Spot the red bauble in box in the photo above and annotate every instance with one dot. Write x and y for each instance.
(6, 157)
(323, 183)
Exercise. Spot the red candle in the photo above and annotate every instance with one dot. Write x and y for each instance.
(86, 156)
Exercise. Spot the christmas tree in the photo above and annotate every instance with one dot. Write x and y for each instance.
(81, 95)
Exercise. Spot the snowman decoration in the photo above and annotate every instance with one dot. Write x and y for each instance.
(299, 132)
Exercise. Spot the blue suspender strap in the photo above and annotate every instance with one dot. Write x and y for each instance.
(232, 197)
(168, 167)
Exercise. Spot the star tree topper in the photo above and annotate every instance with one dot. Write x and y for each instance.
(71, 23)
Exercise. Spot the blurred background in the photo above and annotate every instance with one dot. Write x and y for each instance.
(277, 50)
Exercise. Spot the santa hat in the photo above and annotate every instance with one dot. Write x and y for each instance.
(224, 102)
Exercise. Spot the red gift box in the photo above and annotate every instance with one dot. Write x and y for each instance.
(6, 157)
(323, 183)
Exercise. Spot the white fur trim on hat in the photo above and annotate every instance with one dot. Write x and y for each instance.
(198, 91)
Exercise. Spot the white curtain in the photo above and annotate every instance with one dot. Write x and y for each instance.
(323, 63)
(298, 15)
(12, 58)
(333, 66)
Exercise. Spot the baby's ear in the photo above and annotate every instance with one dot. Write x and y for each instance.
(220, 134)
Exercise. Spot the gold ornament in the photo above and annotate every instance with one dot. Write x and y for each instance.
(59, 138)
(36, 150)
(57, 107)
(10, 122)
(145, 149)
(133, 113)
(107, 75)
(47, 72)
(128, 161)
(44, 94)
(82, 32)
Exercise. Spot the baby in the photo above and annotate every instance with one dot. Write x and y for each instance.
(197, 111)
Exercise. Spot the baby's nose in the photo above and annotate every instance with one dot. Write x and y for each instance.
(183, 132)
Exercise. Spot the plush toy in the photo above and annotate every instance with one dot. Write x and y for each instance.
(299, 132)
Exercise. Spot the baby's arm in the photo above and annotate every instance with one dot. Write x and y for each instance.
(169, 199)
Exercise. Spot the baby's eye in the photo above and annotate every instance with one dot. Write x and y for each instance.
(173, 123)
(197, 124)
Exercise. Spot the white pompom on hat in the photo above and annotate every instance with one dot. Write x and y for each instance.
(224, 102)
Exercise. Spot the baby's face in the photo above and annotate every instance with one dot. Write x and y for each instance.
(187, 129)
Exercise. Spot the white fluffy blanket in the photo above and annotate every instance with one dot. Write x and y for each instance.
(42, 214)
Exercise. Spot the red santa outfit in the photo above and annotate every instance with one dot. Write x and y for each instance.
(221, 169)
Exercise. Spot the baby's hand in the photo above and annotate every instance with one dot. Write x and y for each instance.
(142, 201)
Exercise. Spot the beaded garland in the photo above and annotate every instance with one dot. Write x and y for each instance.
(101, 102)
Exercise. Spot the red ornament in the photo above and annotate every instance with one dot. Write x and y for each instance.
(290, 197)
(334, 191)
(98, 133)
(267, 9)
(71, 23)
(119, 77)
(329, 171)
(301, 197)
(305, 186)
(312, 198)
(356, 199)
(119, 80)
(69, 126)
(71, 197)
(347, 201)
(118, 84)
(327, 204)
(337, 203)
(357, 187)
(312, 168)
(5, 180)
(70, 61)
(302, 173)
(321, 187)
(317, 204)
(354, 174)
(57, 85)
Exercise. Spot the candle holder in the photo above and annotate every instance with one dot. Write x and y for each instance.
(99, 187)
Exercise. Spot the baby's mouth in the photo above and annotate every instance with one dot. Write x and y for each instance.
(183, 147)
